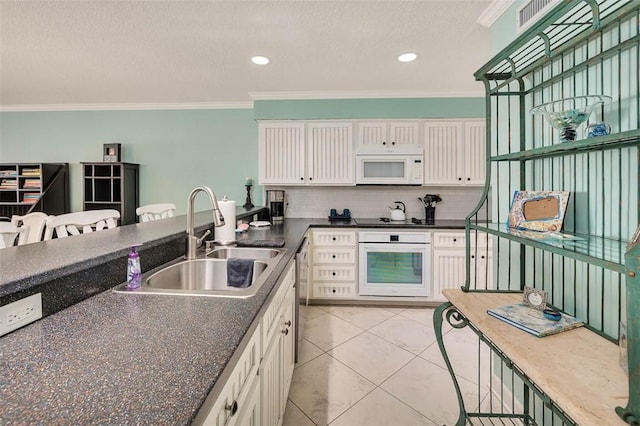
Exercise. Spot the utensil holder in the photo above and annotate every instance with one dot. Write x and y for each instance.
(430, 215)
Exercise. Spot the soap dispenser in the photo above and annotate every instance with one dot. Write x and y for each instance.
(134, 274)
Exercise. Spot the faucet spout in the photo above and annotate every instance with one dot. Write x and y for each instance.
(218, 220)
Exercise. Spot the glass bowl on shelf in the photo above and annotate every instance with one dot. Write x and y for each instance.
(568, 114)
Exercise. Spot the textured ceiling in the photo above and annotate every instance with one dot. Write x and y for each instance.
(186, 51)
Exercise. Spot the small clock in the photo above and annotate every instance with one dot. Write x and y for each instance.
(111, 153)
(536, 299)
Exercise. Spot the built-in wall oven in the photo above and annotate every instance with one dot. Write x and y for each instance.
(394, 263)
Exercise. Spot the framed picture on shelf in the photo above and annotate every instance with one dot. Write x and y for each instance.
(538, 210)
(111, 153)
(534, 298)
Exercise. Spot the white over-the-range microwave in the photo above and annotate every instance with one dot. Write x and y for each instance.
(392, 166)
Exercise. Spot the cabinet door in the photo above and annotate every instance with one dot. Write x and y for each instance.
(481, 269)
(372, 133)
(270, 389)
(330, 154)
(287, 347)
(281, 153)
(448, 271)
(402, 133)
(475, 152)
(443, 152)
(249, 413)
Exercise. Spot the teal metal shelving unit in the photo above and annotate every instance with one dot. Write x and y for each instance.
(580, 48)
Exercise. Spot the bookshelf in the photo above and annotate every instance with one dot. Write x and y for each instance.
(112, 186)
(34, 187)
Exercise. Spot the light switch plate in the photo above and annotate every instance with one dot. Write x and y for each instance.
(20, 313)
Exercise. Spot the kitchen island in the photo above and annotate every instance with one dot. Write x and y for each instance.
(119, 358)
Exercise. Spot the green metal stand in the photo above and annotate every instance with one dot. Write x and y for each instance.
(631, 413)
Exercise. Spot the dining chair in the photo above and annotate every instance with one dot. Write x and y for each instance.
(152, 212)
(68, 224)
(32, 225)
(8, 234)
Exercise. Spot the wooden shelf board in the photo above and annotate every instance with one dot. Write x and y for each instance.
(578, 369)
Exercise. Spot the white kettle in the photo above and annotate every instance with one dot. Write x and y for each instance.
(398, 213)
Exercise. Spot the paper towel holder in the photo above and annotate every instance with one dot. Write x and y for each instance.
(226, 234)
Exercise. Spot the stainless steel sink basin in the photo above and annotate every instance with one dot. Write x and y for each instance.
(208, 276)
(243, 253)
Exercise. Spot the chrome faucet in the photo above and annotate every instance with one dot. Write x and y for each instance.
(194, 242)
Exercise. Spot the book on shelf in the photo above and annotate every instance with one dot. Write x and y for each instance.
(532, 320)
(8, 173)
(30, 198)
(30, 172)
(8, 184)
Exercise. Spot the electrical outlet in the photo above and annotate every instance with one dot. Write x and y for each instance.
(20, 313)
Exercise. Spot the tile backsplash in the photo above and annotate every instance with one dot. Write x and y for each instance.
(374, 201)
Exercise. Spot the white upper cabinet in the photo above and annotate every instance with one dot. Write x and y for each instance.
(385, 134)
(282, 152)
(311, 153)
(454, 152)
(330, 158)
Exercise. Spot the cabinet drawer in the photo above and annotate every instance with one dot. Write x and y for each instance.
(334, 255)
(448, 239)
(334, 273)
(334, 238)
(269, 322)
(236, 387)
(334, 290)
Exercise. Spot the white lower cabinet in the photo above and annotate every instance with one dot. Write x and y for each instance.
(256, 392)
(334, 264)
(276, 368)
(238, 403)
(449, 262)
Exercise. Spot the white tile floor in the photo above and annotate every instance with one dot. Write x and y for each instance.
(378, 366)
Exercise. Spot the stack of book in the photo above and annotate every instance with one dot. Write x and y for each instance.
(9, 184)
(31, 184)
(8, 173)
(31, 172)
(30, 198)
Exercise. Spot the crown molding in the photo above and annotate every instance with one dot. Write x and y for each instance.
(270, 96)
(493, 12)
(126, 107)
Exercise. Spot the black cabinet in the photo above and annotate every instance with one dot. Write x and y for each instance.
(34, 187)
(112, 186)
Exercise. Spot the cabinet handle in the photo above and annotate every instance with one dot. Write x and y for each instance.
(473, 257)
(333, 291)
(288, 323)
(459, 178)
(285, 331)
(384, 143)
(334, 238)
(301, 178)
(468, 179)
(333, 256)
(393, 143)
(310, 178)
(233, 407)
(333, 273)
(481, 257)
(455, 239)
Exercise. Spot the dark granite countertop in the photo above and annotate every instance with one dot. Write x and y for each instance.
(128, 359)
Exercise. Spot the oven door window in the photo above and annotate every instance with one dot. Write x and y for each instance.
(394, 268)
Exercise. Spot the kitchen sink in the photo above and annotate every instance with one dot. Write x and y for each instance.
(243, 253)
(208, 276)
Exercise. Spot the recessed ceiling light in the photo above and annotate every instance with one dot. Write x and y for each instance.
(260, 60)
(407, 57)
